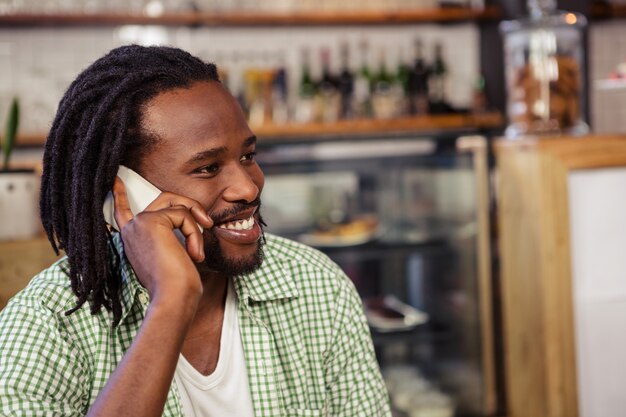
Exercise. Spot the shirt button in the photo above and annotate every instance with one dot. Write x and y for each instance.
(143, 298)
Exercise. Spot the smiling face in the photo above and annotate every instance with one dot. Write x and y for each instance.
(206, 151)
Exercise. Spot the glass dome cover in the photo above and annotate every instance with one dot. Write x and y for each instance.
(544, 71)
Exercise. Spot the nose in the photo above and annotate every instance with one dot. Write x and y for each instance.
(241, 186)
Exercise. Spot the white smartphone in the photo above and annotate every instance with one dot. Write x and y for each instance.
(140, 193)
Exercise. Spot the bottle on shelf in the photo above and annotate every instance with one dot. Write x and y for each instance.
(383, 79)
(418, 81)
(328, 80)
(437, 83)
(479, 98)
(328, 99)
(304, 112)
(254, 96)
(267, 99)
(403, 75)
(307, 86)
(280, 108)
(236, 84)
(345, 84)
(403, 71)
(361, 100)
(384, 95)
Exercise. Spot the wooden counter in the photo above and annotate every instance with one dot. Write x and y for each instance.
(549, 223)
(19, 262)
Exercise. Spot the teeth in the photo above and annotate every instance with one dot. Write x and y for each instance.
(239, 224)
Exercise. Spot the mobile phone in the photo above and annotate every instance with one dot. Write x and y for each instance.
(140, 193)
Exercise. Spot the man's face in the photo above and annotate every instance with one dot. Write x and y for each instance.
(206, 152)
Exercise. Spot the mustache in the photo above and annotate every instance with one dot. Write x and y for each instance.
(236, 209)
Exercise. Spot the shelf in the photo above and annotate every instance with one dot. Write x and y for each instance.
(300, 18)
(608, 11)
(405, 125)
(379, 248)
(354, 128)
(418, 335)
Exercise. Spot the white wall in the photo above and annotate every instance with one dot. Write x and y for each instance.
(598, 236)
(607, 45)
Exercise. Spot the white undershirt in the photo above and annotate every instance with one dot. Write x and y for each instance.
(225, 392)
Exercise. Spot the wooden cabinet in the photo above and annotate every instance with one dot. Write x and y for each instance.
(563, 271)
(19, 262)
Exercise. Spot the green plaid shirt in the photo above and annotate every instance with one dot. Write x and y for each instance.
(307, 346)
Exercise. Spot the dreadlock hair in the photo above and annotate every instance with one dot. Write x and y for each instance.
(98, 126)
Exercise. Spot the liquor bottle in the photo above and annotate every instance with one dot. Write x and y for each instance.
(327, 82)
(280, 110)
(305, 105)
(438, 75)
(254, 96)
(418, 81)
(236, 83)
(307, 86)
(403, 74)
(479, 98)
(361, 101)
(328, 99)
(345, 84)
(384, 99)
(383, 79)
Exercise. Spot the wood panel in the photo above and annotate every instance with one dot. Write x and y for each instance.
(524, 328)
(19, 262)
(540, 352)
(478, 146)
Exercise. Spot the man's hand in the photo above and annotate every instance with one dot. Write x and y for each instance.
(162, 264)
(139, 385)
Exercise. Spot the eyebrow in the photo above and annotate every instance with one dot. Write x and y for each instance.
(216, 152)
(250, 141)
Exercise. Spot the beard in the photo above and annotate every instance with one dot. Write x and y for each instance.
(217, 261)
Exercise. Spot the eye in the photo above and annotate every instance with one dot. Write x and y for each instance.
(250, 156)
(209, 169)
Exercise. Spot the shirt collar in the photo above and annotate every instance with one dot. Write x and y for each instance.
(272, 281)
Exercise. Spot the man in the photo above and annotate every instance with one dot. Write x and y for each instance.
(136, 324)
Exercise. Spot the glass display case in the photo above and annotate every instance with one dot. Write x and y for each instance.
(406, 219)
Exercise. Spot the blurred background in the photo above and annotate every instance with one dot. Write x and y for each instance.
(411, 141)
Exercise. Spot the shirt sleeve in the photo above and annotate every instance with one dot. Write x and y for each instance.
(40, 374)
(354, 383)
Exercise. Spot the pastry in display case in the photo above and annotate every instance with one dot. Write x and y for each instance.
(402, 217)
(349, 233)
(389, 314)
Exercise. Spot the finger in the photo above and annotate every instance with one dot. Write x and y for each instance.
(167, 199)
(201, 215)
(181, 218)
(121, 207)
